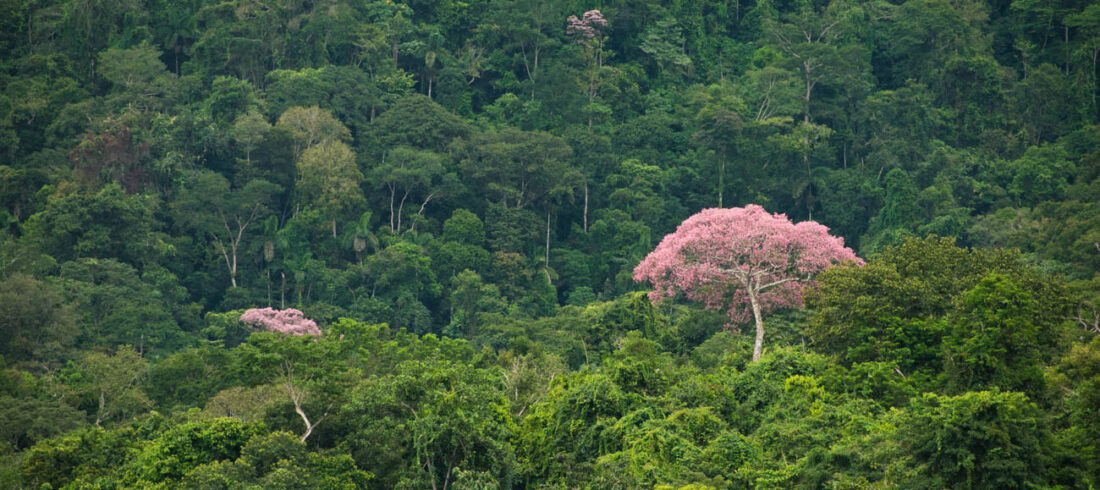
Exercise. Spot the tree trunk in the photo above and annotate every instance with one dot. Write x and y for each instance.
(422, 206)
(758, 345)
(534, 72)
(809, 91)
(101, 413)
(586, 206)
(1065, 29)
(809, 176)
(546, 263)
(233, 266)
(305, 420)
(721, 179)
(393, 190)
(400, 208)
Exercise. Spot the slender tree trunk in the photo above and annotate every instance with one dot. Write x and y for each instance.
(297, 395)
(233, 268)
(721, 179)
(534, 72)
(1065, 29)
(305, 420)
(546, 263)
(758, 345)
(101, 413)
(422, 206)
(586, 206)
(333, 227)
(809, 176)
(809, 92)
(228, 261)
(400, 208)
(393, 191)
(282, 292)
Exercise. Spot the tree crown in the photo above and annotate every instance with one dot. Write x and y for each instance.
(723, 257)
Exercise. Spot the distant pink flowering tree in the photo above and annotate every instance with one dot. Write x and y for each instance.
(588, 26)
(742, 260)
(588, 31)
(289, 321)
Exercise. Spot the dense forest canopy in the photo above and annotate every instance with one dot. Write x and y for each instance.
(456, 196)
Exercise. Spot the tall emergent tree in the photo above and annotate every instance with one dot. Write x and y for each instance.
(210, 207)
(741, 257)
(329, 178)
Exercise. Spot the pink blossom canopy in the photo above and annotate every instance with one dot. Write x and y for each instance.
(722, 256)
(587, 26)
(289, 321)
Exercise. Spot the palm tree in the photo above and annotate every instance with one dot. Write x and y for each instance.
(272, 238)
(300, 266)
(808, 187)
(416, 237)
(179, 30)
(359, 236)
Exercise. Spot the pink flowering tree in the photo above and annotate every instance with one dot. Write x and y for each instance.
(288, 321)
(588, 26)
(303, 367)
(588, 31)
(745, 261)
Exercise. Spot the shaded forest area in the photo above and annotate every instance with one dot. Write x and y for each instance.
(456, 194)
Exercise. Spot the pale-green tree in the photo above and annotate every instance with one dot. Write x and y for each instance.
(329, 179)
(249, 131)
(115, 382)
(312, 126)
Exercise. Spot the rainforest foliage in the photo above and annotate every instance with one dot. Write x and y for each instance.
(457, 193)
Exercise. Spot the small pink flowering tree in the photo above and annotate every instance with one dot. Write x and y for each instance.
(299, 364)
(288, 321)
(746, 261)
(587, 26)
(588, 31)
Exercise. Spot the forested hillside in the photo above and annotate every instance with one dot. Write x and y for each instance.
(367, 243)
